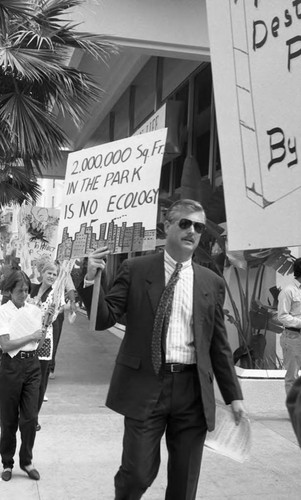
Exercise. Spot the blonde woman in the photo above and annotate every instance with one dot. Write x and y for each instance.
(42, 295)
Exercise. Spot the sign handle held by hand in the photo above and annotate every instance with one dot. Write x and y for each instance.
(94, 305)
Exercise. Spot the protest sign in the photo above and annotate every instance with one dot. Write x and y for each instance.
(111, 196)
(37, 235)
(256, 62)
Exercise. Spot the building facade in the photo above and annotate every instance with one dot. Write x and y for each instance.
(161, 77)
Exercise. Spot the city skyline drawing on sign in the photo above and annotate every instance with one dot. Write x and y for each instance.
(119, 239)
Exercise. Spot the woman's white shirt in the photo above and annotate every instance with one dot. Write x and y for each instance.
(8, 314)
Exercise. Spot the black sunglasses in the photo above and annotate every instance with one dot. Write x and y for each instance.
(187, 223)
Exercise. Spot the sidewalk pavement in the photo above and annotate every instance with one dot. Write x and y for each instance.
(78, 449)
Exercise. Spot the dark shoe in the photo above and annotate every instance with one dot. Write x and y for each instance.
(38, 427)
(32, 473)
(6, 474)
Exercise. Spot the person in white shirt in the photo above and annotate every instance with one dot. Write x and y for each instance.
(289, 314)
(20, 376)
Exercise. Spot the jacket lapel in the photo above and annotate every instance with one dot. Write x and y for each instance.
(155, 279)
(200, 297)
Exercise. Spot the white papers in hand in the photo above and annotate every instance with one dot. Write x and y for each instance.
(26, 321)
(229, 439)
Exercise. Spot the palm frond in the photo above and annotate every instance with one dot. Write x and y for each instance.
(53, 9)
(98, 46)
(34, 133)
(75, 92)
(4, 140)
(35, 48)
(281, 260)
(13, 10)
(50, 30)
(17, 7)
(30, 64)
(16, 187)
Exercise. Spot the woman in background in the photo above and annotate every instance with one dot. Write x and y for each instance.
(42, 295)
(69, 297)
(20, 376)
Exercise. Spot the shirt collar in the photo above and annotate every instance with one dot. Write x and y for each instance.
(297, 283)
(13, 307)
(171, 262)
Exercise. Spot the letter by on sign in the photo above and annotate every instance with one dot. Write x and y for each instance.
(277, 145)
(281, 145)
(293, 150)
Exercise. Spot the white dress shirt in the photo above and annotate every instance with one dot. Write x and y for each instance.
(289, 305)
(180, 340)
(8, 314)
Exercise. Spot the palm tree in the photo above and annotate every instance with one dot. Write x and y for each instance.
(17, 187)
(251, 316)
(36, 82)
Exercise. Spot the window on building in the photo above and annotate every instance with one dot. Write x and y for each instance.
(172, 169)
(101, 135)
(121, 117)
(175, 71)
(202, 118)
(145, 92)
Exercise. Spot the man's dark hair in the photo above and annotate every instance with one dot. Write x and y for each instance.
(186, 204)
(15, 277)
(297, 268)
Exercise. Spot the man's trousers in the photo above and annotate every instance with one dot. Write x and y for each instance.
(291, 347)
(179, 414)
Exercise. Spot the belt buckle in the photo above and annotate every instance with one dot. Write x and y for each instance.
(173, 368)
(22, 355)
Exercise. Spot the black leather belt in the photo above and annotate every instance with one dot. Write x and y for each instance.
(25, 354)
(177, 367)
(293, 329)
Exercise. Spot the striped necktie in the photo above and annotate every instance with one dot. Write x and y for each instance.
(162, 317)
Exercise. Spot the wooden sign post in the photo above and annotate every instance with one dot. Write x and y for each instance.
(94, 305)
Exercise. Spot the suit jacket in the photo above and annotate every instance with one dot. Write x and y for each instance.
(134, 387)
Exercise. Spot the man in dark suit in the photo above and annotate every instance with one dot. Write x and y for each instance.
(173, 395)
